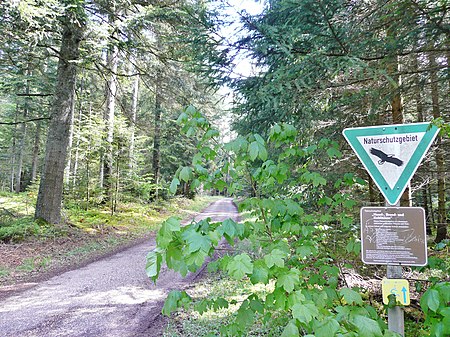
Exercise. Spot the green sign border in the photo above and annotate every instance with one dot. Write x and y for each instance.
(392, 195)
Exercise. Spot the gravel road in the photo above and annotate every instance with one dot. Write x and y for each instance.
(111, 297)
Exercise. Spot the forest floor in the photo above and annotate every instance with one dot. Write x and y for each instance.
(80, 240)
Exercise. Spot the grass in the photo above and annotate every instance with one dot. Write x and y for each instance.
(4, 272)
(34, 263)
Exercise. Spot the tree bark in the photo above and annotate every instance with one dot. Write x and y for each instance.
(134, 103)
(111, 92)
(23, 136)
(157, 140)
(13, 152)
(78, 135)
(441, 232)
(48, 206)
(420, 118)
(69, 146)
(372, 192)
(36, 150)
(394, 70)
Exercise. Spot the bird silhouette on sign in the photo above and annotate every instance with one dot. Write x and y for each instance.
(385, 158)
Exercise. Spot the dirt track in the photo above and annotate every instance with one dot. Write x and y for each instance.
(111, 297)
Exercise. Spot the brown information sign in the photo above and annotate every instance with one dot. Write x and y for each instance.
(393, 235)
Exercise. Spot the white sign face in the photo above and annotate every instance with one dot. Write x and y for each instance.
(390, 154)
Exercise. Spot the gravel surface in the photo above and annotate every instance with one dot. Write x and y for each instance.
(110, 297)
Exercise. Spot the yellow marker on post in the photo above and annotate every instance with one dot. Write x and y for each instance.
(397, 287)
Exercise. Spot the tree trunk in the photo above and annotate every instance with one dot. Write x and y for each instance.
(78, 136)
(157, 141)
(397, 104)
(23, 135)
(132, 162)
(88, 157)
(36, 150)
(21, 150)
(111, 92)
(441, 232)
(13, 152)
(69, 146)
(371, 189)
(418, 88)
(48, 206)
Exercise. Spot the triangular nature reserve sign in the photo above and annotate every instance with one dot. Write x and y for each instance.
(391, 153)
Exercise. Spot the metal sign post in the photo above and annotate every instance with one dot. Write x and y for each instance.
(396, 316)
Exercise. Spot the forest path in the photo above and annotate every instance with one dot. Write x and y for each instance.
(111, 297)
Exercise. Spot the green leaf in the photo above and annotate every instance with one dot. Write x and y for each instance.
(288, 280)
(196, 259)
(202, 306)
(200, 169)
(165, 233)
(259, 139)
(257, 306)
(173, 185)
(349, 204)
(351, 296)
(317, 179)
(220, 185)
(172, 224)
(346, 221)
(195, 184)
(305, 312)
(304, 251)
(262, 152)
(227, 227)
(290, 330)
(211, 133)
(260, 273)
(239, 266)
(293, 208)
(153, 265)
(196, 241)
(444, 291)
(253, 150)
(220, 303)
(174, 300)
(430, 300)
(191, 110)
(276, 257)
(333, 152)
(182, 118)
(185, 173)
(326, 328)
(245, 315)
(367, 327)
(190, 132)
(295, 298)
